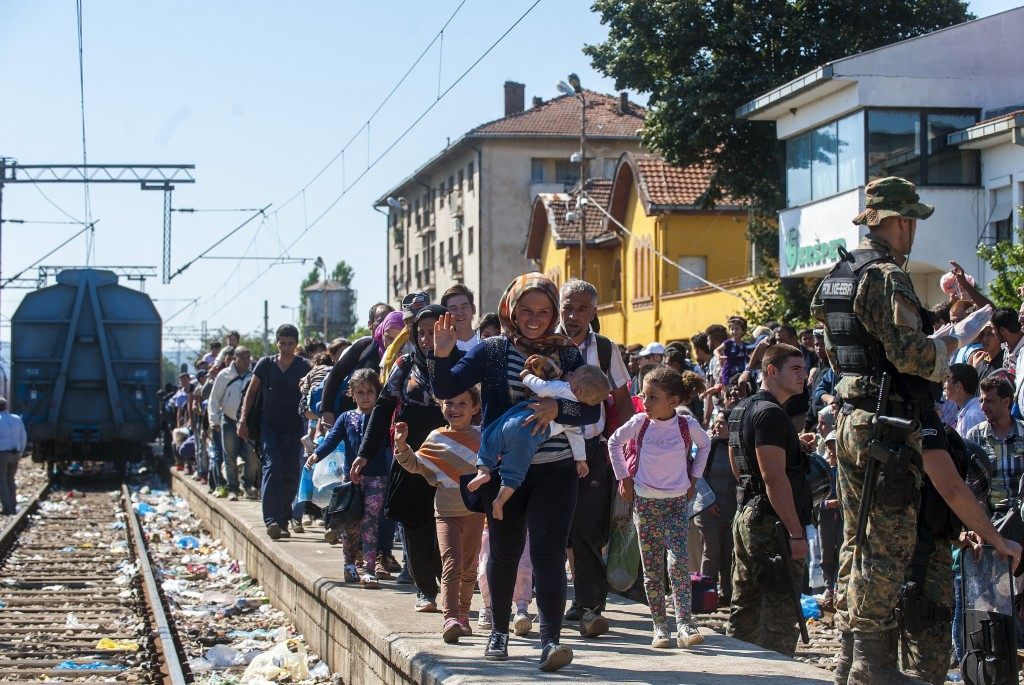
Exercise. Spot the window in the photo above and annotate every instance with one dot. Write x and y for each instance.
(469, 239)
(538, 171)
(1000, 216)
(697, 265)
(950, 165)
(610, 164)
(469, 177)
(442, 252)
(461, 178)
(825, 161)
(912, 144)
(566, 172)
(451, 247)
(451, 184)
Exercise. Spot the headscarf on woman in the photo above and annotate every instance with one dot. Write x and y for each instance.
(550, 340)
(392, 320)
(420, 374)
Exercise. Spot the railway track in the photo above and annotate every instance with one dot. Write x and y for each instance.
(78, 597)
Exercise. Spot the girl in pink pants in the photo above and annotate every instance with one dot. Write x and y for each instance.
(522, 624)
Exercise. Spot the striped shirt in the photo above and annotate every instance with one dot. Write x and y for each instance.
(1006, 458)
(553, 449)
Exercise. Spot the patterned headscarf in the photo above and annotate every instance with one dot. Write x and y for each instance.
(392, 320)
(550, 340)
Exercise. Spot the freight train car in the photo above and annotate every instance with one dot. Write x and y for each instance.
(85, 369)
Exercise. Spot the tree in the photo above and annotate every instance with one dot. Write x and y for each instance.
(360, 332)
(343, 273)
(701, 59)
(1007, 260)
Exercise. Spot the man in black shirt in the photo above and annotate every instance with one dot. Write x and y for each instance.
(767, 460)
(276, 378)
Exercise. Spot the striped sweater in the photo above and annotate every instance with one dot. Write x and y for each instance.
(442, 459)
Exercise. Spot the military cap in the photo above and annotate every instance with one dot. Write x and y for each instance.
(891, 196)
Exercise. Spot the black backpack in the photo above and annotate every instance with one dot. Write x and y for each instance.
(254, 419)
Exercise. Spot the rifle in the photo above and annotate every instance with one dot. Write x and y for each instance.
(878, 454)
(780, 563)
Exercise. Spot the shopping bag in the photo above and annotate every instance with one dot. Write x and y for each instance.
(306, 487)
(330, 470)
(345, 507)
(623, 564)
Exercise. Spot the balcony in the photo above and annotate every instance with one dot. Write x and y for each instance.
(455, 262)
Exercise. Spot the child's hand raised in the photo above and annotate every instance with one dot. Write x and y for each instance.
(582, 469)
(401, 435)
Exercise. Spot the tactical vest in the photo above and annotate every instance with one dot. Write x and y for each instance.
(857, 352)
(741, 445)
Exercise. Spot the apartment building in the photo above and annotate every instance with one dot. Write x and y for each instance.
(462, 216)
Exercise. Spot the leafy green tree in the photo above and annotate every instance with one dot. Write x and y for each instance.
(701, 59)
(360, 332)
(343, 273)
(1007, 260)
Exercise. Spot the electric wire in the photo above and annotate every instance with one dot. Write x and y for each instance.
(90, 245)
(57, 206)
(236, 229)
(387, 150)
(36, 263)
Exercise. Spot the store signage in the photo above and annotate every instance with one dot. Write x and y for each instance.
(810, 236)
(800, 257)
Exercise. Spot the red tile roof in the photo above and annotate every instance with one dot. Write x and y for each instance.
(561, 117)
(662, 187)
(549, 215)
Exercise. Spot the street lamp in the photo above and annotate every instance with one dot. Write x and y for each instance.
(294, 311)
(319, 263)
(574, 87)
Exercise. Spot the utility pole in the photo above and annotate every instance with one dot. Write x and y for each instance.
(266, 323)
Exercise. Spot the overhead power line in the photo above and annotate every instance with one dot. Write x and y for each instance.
(36, 263)
(236, 229)
(90, 238)
(383, 154)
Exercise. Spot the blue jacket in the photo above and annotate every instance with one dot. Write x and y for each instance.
(486, 364)
(349, 429)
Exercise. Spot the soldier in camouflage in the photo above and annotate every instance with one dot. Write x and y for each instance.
(874, 322)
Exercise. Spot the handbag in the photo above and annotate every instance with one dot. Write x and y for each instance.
(346, 506)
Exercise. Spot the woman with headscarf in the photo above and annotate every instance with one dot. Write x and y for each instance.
(365, 353)
(544, 504)
(407, 397)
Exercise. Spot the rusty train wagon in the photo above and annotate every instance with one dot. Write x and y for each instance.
(85, 369)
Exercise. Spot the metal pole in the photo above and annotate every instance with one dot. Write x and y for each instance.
(324, 292)
(266, 323)
(3, 175)
(167, 233)
(583, 186)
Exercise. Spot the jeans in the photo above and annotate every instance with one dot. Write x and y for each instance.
(202, 453)
(216, 476)
(8, 467)
(233, 448)
(591, 528)
(424, 560)
(508, 438)
(544, 506)
(282, 459)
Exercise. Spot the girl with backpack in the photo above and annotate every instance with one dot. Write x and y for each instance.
(650, 455)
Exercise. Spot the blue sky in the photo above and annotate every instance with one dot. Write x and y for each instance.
(259, 96)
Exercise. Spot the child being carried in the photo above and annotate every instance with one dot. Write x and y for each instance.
(516, 444)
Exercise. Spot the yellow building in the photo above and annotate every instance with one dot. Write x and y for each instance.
(644, 297)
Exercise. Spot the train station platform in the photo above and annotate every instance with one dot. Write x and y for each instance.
(374, 636)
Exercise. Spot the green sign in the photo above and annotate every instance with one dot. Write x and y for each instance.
(800, 257)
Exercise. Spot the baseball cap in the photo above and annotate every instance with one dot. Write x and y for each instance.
(412, 303)
(891, 196)
(831, 437)
(652, 348)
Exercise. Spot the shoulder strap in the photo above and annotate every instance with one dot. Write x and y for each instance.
(604, 353)
(684, 430)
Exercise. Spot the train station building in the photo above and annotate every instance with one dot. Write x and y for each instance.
(952, 125)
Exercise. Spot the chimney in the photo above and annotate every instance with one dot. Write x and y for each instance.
(515, 97)
(624, 102)
(537, 101)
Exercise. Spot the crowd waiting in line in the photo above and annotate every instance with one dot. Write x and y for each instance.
(497, 446)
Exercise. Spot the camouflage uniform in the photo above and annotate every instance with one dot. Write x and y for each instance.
(924, 649)
(870, 578)
(762, 610)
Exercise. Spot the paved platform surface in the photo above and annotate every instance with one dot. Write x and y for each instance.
(374, 636)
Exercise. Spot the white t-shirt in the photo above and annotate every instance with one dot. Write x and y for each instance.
(467, 345)
(617, 374)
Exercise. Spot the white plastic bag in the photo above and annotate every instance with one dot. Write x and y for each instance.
(329, 471)
(277, 663)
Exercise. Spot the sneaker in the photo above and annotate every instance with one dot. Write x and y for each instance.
(522, 624)
(404, 578)
(351, 575)
(592, 624)
(233, 497)
(391, 564)
(452, 631)
(202, 480)
(252, 493)
(467, 630)
(307, 520)
(274, 531)
(285, 533)
(485, 621)
(554, 657)
(828, 600)
(497, 646)
(687, 635)
(369, 582)
(331, 537)
(426, 605)
(381, 572)
(297, 527)
(661, 639)
(573, 614)
(221, 492)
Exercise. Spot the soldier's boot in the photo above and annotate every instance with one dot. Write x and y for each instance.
(874, 661)
(845, 659)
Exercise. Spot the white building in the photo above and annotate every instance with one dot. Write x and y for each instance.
(909, 109)
(462, 217)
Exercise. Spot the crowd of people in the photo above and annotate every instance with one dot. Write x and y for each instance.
(494, 445)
